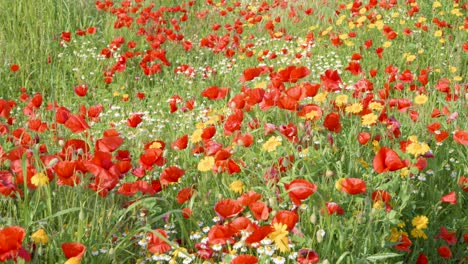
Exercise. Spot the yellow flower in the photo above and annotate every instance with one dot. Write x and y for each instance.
(321, 97)
(237, 187)
(206, 164)
(376, 145)
(410, 58)
(420, 222)
(416, 148)
(436, 4)
(379, 205)
(369, 119)
(40, 237)
(338, 184)
(341, 99)
(155, 145)
(376, 106)
(39, 179)
(404, 172)
(420, 99)
(73, 260)
(196, 135)
(280, 236)
(438, 33)
(387, 44)
(354, 108)
(418, 233)
(453, 69)
(394, 235)
(311, 115)
(271, 144)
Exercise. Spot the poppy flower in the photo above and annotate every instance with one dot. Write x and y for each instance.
(422, 259)
(73, 250)
(461, 137)
(11, 239)
(248, 198)
(184, 195)
(81, 90)
(293, 73)
(134, 120)
(233, 122)
(65, 171)
(14, 68)
(5, 108)
(156, 244)
(449, 237)
(450, 198)
(332, 122)
(250, 73)
(363, 138)
(333, 208)
(387, 159)
(404, 244)
(331, 80)
(300, 190)
(307, 256)
(220, 235)
(244, 259)
(444, 252)
(180, 143)
(260, 210)
(171, 174)
(286, 217)
(215, 92)
(7, 187)
(353, 186)
(76, 123)
(242, 223)
(110, 141)
(228, 208)
(259, 234)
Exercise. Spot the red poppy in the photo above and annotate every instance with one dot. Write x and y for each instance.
(233, 122)
(180, 143)
(244, 259)
(81, 90)
(260, 210)
(151, 157)
(76, 123)
(463, 183)
(208, 132)
(259, 234)
(444, 252)
(353, 186)
(354, 67)
(363, 138)
(404, 244)
(215, 92)
(128, 189)
(220, 235)
(187, 213)
(171, 174)
(306, 109)
(184, 195)
(156, 244)
(134, 120)
(248, 198)
(250, 74)
(449, 237)
(300, 190)
(66, 36)
(7, 187)
(331, 80)
(11, 239)
(73, 250)
(5, 108)
(333, 208)
(65, 171)
(14, 68)
(387, 160)
(228, 208)
(245, 140)
(461, 137)
(242, 223)
(422, 259)
(110, 141)
(288, 218)
(293, 73)
(450, 198)
(307, 256)
(332, 122)
(381, 195)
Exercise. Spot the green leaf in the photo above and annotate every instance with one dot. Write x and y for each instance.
(382, 256)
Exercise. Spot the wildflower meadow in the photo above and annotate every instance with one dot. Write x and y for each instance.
(218, 131)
